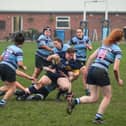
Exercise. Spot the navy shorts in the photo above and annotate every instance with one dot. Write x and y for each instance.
(40, 62)
(80, 63)
(7, 73)
(98, 76)
(53, 76)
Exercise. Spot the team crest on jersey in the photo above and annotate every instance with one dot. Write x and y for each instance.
(67, 62)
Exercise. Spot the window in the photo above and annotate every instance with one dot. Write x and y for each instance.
(2, 25)
(63, 22)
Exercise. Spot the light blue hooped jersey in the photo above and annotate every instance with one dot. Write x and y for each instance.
(44, 41)
(61, 52)
(107, 55)
(12, 55)
(80, 47)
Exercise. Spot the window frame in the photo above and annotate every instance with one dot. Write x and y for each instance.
(62, 19)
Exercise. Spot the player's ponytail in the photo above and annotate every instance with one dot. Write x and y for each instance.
(114, 37)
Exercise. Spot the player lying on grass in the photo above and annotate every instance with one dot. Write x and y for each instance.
(58, 77)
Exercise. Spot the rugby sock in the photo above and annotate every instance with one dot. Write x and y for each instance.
(77, 101)
(61, 92)
(44, 91)
(98, 116)
(3, 100)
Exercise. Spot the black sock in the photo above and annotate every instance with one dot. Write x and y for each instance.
(44, 91)
(60, 93)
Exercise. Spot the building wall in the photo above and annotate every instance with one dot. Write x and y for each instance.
(39, 20)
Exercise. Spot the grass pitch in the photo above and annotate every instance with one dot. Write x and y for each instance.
(52, 113)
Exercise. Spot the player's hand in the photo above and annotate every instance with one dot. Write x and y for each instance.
(120, 82)
(89, 47)
(27, 90)
(24, 68)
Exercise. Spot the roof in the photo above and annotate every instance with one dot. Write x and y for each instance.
(62, 5)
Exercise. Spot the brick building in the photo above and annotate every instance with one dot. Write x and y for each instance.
(17, 17)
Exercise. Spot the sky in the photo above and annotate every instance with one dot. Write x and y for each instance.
(64, 5)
